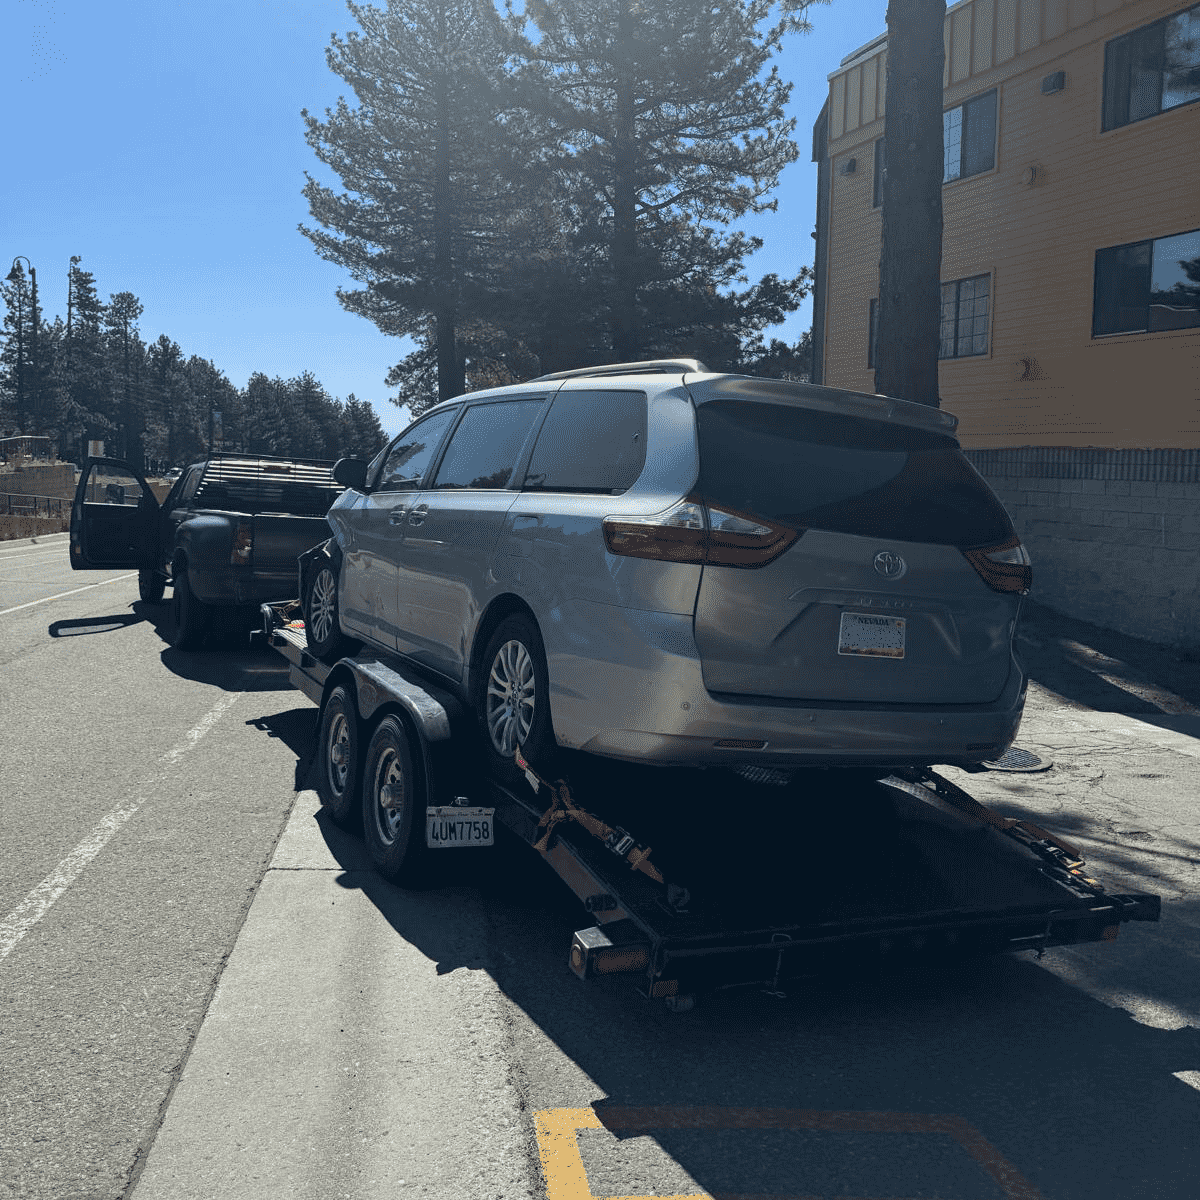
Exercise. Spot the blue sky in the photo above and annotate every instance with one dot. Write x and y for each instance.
(162, 142)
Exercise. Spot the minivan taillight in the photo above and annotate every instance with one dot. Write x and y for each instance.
(692, 532)
(1004, 568)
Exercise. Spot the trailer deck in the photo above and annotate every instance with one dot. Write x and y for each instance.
(702, 879)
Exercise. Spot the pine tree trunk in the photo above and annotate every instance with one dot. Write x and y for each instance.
(626, 338)
(906, 348)
(451, 381)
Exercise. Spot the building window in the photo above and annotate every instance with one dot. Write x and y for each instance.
(964, 320)
(964, 326)
(878, 176)
(1152, 69)
(1148, 286)
(969, 137)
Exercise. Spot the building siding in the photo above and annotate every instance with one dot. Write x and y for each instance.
(1044, 379)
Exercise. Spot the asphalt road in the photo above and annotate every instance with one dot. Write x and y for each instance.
(366, 1041)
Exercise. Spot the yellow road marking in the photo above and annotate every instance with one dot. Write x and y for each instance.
(566, 1179)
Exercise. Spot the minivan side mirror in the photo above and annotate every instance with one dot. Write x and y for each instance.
(351, 473)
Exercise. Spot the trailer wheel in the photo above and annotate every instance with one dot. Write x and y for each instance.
(393, 805)
(189, 614)
(514, 700)
(151, 585)
(338, 759)
(321, 629)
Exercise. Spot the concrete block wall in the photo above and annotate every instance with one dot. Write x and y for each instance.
(1114, 534)
(57, 479)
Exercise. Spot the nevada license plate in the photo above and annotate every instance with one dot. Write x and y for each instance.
(450, 828)
(875, 636)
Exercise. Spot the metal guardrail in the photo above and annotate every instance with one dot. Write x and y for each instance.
(13, 504)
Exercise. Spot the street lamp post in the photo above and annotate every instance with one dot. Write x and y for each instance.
(14, 276)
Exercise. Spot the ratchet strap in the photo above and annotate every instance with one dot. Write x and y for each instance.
(563, 808)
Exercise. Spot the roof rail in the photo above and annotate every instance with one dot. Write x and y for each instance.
(652, 366)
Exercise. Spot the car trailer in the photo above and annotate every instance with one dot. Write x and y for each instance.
(701, 879)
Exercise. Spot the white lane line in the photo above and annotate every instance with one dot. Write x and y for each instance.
(39, 902)
(49, 541)
(17, 608)
(49, 553)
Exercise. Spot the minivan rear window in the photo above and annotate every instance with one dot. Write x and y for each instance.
(819, 470)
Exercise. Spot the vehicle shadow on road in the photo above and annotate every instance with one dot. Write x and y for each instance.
(1078, 1098)
(83, 625)
(229, 657)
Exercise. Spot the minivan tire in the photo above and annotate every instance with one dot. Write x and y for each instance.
(393, 825)
(189, 614)
(322, 631)
(514, 667)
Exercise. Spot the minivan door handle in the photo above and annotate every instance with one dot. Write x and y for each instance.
(396, 516)
(417, 515)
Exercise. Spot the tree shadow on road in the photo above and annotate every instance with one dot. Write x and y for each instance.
(1098, 668)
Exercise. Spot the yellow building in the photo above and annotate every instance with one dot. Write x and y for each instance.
(1070, 343)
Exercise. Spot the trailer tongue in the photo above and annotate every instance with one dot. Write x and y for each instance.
(710, 879)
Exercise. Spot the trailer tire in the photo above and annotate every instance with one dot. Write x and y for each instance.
(189, 614)
(151, 585)
(338, 759)
(514, 664)
(322, 631)
(393, 805)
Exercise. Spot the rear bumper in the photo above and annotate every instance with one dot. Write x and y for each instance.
(648, 703)
(236, 585)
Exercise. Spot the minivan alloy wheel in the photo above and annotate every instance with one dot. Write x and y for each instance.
(322, 603)
(511, 691)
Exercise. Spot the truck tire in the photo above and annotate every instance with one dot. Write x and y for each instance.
(514, 700)
(393, 806)
(321, 629)
(151, 585)
(189, 614)
(338, 759)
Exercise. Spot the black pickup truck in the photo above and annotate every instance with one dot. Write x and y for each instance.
(226, 536)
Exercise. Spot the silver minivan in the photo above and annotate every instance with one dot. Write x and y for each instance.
(661, 564)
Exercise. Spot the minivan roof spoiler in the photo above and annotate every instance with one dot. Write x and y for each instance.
(651, 366)
(828, 399)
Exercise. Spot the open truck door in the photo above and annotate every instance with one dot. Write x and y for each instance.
(114, 520)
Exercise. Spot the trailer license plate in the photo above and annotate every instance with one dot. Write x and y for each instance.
(450, 828)
(867, 633)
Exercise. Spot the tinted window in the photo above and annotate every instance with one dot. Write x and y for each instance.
(486, 445)
(1148, 286)
(409, 458)
(825, 471)
(1152, 69)
(590, 442)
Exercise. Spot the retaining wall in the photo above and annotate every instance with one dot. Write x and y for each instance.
(1114, 534)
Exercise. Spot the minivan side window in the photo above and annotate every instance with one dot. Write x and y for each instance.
(409, 458)
(486, 445)
(590, 442)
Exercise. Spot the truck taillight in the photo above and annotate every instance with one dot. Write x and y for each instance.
(1004, 568)
(243, 543)
(694, 532)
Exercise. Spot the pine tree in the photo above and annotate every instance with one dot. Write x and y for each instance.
(85, 367)
(669, 126)
(427, 161)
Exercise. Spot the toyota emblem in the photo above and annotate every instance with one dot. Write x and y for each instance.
(889, 565)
